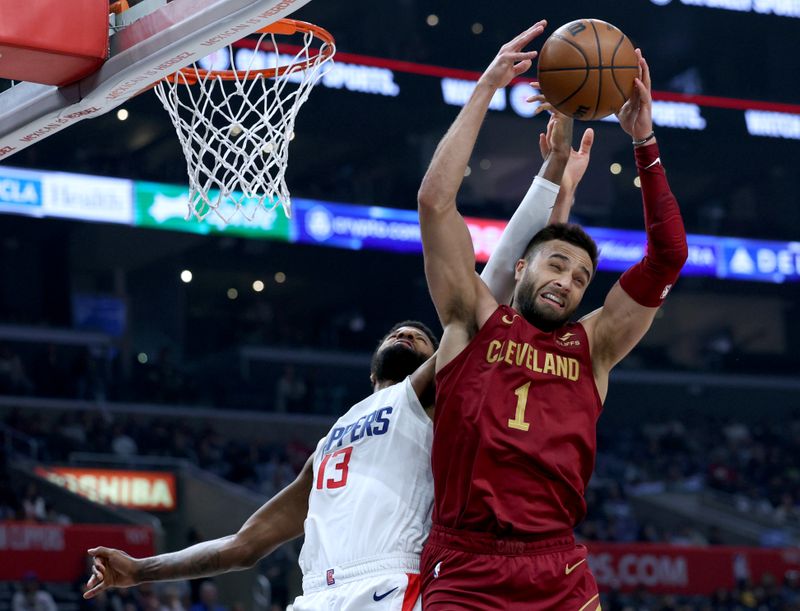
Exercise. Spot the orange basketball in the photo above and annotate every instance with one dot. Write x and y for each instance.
(586, 69)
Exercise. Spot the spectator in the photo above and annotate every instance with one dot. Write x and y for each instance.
(13, 379)
(290, 394)
(34, 508)
(31, 597)
(208, 598)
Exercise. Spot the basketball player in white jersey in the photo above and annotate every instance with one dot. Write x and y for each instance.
(364, 498)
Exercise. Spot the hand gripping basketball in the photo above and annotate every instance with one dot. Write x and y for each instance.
(511, 60)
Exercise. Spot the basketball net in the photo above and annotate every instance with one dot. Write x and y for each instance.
(235, 125)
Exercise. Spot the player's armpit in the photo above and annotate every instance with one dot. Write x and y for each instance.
(616, 328)
(423, 382)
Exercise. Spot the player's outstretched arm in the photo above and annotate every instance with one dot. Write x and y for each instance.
(279, 520)
(631, 305)
(573, 174)
(536, 209)
(459, 296)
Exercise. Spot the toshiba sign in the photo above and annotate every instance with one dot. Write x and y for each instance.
(148, 490)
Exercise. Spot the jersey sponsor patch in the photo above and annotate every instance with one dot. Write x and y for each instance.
(568, 340)
(329, 577)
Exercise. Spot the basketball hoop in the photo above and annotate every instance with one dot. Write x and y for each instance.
(234, 113)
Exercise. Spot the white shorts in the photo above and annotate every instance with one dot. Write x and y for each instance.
(387, 592)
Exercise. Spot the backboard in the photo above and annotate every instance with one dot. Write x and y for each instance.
(154, 39)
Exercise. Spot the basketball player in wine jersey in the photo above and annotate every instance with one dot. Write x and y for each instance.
(519, 390)
(364, 498)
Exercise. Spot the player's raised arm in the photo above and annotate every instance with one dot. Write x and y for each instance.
(279, 520)
(542, 204)
(631, 305)
(458, 294)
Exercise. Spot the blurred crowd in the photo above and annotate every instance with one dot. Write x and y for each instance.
(769, 595)
(751, 462)
(755, 467)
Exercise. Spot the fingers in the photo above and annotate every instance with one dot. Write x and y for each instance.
(95, 590)
(644, 69)
(522, 67)
(98, 551)
(96, 582)
(551, 125)
(544, 149)
(586, 141)
(98, 574)
(528, 35)
(522, 55)
(641, 93)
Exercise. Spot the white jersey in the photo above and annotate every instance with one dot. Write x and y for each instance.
(371, 499)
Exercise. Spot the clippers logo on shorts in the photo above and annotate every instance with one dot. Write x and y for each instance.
(329, 577)
(371, 425)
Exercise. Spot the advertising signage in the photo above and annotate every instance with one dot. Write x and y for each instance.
(160, 206)
(145, 490)
(339, 225)
(355, 227)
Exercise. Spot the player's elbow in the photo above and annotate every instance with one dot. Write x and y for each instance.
(245, 552)
(676, 257)
(431, 200)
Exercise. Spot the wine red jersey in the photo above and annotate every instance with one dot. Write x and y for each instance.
(515, 429)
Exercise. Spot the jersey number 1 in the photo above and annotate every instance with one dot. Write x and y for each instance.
(340, 464)
(522, 402)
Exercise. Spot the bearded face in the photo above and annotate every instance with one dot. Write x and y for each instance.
(541, 306)
(551, 284)
(400, 354)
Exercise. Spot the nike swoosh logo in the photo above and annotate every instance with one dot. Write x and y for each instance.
(508, 320)
(377, 598)
(569, 568)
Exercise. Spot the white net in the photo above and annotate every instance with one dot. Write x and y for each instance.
(235, 131)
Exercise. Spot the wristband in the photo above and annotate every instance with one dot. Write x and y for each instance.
(644, 140)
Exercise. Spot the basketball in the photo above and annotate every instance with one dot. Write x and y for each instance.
(586, 69)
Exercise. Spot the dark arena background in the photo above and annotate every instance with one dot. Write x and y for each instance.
(161, 378)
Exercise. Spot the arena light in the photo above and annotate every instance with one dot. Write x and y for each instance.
(432, 20)
(615, 168)
(258, 286)
(477, 28)
(280, 277)
(122, 114)
(232, 294)
(186, 276)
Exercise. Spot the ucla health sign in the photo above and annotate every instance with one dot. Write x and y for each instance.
(63, 195)
(20, 191)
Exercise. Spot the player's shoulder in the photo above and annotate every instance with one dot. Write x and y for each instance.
(394, 394)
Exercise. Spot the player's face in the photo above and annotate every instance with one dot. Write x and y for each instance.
(551, 285)
(401, 353)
